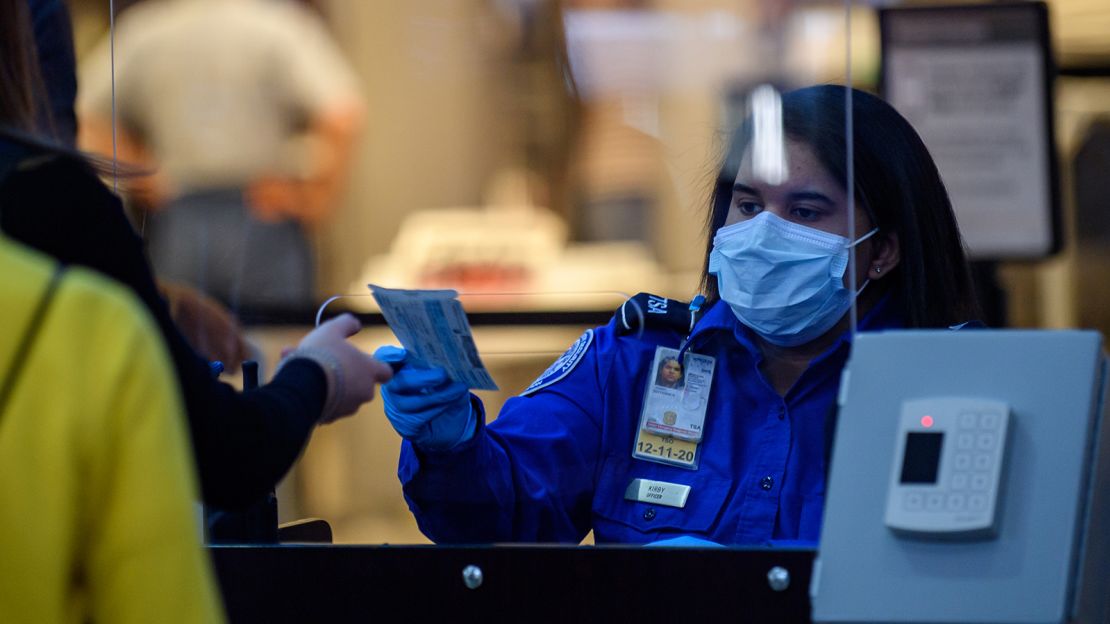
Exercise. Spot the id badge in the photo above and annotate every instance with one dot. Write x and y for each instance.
(678, 394)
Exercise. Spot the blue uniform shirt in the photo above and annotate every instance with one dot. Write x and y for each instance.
(556, 462)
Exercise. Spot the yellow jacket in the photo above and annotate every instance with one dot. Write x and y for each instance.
(96, 482)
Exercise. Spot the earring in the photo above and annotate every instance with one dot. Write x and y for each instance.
(878, 270)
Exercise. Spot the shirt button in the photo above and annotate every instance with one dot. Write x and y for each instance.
(767, 482)
(649, 514)
(782, 412)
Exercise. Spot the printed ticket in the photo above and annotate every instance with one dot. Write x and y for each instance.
(432, 327)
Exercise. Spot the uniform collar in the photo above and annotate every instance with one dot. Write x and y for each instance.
(719, 318)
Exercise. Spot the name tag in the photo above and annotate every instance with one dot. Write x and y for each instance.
(658, 492)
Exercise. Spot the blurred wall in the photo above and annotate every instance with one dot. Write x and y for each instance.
(433, 134)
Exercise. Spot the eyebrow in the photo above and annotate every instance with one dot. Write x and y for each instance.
(812, 196)
(743, 188)
(794, 196)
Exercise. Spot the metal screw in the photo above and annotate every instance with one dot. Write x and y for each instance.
(472, 576)
(778, 578)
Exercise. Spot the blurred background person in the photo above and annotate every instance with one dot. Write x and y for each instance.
(208, 326)
(248, 112)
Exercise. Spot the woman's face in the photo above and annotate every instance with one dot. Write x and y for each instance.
(672, 371)
(809, 196)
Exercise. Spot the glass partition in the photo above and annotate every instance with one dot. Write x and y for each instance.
(547, 159)
(544, 159)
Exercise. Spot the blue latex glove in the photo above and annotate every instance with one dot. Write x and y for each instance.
(424, 405)
(683, 541)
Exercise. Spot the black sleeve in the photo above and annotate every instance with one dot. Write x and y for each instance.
(243, 443)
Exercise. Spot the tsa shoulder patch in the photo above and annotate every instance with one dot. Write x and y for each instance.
(562, 366)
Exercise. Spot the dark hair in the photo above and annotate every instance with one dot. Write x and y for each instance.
(23, 95)
(896, 184)
(669, 358)
(20, 81)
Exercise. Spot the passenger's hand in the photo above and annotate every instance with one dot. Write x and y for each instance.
(424, 405)
(208, 327)
(351, 373)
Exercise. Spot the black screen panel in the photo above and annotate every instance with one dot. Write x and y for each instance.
(922, 457)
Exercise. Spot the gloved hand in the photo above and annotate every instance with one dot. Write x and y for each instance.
(683, 541)
(424, 405)
(351, 374)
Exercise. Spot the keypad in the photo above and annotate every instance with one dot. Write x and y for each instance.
(976, 441)
(947, 462)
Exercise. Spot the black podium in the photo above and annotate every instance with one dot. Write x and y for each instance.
(329, 583)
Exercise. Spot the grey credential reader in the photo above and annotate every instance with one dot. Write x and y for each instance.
(947, 470)
(969, 481)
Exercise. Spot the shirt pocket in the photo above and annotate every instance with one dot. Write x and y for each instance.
(619, 520)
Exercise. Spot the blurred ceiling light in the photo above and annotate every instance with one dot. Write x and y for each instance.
(767, 151)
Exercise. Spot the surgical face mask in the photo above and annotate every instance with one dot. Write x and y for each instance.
(783, 280)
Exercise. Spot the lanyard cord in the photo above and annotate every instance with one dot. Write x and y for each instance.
(19, 358)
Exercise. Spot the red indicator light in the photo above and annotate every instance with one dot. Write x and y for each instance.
(926, 421)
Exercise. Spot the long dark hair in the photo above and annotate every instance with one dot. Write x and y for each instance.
(23, 95)
(20, 82)
(896, 183)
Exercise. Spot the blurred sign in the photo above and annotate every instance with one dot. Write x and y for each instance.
(976, 83)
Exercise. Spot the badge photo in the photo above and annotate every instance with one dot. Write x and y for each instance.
(669, 373)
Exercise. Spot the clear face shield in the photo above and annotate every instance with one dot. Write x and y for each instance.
(545, 161)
